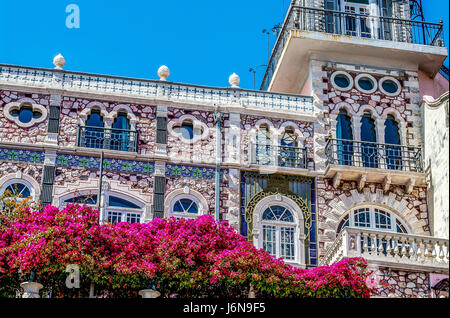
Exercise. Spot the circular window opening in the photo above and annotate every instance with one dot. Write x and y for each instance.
(25, 114)
(366, 83)
(390, 86)
(342, 81)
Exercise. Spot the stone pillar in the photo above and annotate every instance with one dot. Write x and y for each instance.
(356, 124)
(31, 289)
(233, 198)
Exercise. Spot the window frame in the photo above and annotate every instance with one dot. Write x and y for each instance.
(187, 215)
(349, 217)
(12, 181)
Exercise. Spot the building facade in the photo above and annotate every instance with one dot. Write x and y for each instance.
(324, 162)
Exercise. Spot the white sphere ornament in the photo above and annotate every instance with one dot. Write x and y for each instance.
(234, 80)
(163, 73)
(59, 61)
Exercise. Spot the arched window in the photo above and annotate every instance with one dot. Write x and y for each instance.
(117, 207)
(18, 189)
(344, 135)
(263, 146)
(94, 137)
(369, 153)
(392, 140)
(185, 206)
(289, 154)
(278, 232)
(120, 134)
(373, 218)
(187, 130)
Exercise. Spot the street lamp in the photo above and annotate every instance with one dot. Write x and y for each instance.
(253, 70)
(268, 43)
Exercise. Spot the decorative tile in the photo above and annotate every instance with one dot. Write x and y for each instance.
(22, 155)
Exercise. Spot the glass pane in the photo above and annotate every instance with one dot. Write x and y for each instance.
(269, 239)
(83, 199)
(268, 215)
(19, 189)
(115, 201)
(362, 218)
(114, 217)
(185, 206)
(382, 220)
(25, 115)
(133, 218)
(287, 243)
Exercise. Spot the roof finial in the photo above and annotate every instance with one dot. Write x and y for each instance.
(234, 80)
(59, 61)
(163, 73)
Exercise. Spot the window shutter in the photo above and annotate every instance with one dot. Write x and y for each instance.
(47, 184)
(53, 120)
(161, 130)
(159, 185)
(158, 206)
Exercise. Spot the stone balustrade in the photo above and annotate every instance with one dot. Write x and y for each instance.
(395, 250)
(153, 89)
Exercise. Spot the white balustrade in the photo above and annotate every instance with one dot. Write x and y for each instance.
(396, 250)
(89, 83)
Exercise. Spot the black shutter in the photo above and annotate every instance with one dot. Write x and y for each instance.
(159, 189)
(53, 119)
(161, 130)
(47, 184)
(159, 185)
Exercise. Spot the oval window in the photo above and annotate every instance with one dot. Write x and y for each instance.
(366, 83)
(390, 86)
(342, 81)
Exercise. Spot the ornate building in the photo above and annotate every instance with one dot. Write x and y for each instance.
(324, 162)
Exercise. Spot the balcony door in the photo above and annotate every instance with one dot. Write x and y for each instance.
(355, 24)
(120, 134)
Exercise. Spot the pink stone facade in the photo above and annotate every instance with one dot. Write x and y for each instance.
(11, 132)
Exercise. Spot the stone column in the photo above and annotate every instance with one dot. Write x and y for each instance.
(380, 130)
(31, 289)
(356, 124)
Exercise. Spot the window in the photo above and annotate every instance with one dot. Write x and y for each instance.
(188, 131)
(94, 137)
(185, 207)
(357, 25)
(289, 154)
(389, 86)
(392, 139)
(373, 218)
(117, 207)
(263, 146)
(344, 136)
(25, 113)
(341, 81)
(120, 134)
(369, 153)
(17, 189)
(366, 83)
(278, 232)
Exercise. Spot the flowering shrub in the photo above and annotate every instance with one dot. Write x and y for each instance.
(190, 258)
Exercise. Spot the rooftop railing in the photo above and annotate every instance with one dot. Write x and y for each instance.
(354, 25)
(130, 87)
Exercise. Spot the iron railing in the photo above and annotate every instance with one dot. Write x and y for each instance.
(373, 155)
(355, 25)
(107, 138)
(280, 156)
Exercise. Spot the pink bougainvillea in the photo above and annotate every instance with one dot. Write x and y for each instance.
(188, 258)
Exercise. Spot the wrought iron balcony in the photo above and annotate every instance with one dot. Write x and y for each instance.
(107, 138)
(373, 155)
(279, 156)
(353, 25)
(395, 250)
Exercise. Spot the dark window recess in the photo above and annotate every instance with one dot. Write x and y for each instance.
(159, 185)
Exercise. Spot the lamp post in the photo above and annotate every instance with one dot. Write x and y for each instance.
(268, 44)
(253, 70)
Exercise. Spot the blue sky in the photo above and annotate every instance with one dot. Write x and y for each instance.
(201, 41)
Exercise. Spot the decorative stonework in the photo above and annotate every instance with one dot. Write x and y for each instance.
(334, 203)
(403, 284)
(14, 131)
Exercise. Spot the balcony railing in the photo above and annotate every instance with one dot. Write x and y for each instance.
(354, 25)
(107, 138)
(279, 156)
(373, 155)
(389, 248)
